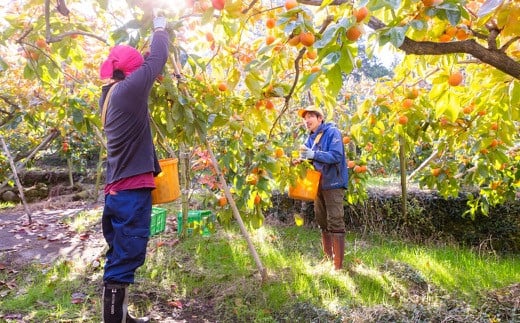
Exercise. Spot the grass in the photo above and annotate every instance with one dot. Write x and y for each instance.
(379, 181)
(219, 271)
(6, 205)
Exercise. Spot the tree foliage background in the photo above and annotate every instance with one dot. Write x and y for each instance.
(239, 70)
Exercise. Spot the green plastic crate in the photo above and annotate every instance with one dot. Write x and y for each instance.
(158, 223)
(198, 220)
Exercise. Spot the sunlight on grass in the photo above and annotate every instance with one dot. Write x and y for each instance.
(379, 181)
(45, 292)
(84, 220)
(6, 205)
(460, 270)
(312, 278)
(379, 272)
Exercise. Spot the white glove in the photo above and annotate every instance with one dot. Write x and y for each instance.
(159, 22)
(306, 153)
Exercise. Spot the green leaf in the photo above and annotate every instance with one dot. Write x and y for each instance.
(28, 72)
(394, 4)
(308, 80)
(441, 105)
(331, 59)
(378, 4)
(120, 36)
(334, 81)
(418, 24)
(290, 27)
(514, 93)
(448, 105)
(396, 35)
(103, 4)
(346, 63)
(254, 83)
(3, 65)
(329, 34)
(77, 116)
(453, 17)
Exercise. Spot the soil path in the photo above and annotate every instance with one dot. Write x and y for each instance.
(49, 236)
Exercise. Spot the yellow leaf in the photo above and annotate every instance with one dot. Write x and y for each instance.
(511, 26)
(298, 220)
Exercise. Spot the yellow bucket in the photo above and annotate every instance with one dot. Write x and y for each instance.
(167, 187)
(306, 188)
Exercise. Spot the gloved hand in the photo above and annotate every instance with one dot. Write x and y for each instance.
(306, 152)
(159, 22)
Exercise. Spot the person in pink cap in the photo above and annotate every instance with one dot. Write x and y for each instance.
(130, 166)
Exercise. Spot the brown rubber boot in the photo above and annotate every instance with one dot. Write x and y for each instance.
(338, 249)
(326, 242)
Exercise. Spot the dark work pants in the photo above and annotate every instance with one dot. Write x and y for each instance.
(126, 227)
(328, 210)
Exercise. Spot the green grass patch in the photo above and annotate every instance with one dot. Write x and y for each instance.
(41, 293)
(220, 271)
(6, 205)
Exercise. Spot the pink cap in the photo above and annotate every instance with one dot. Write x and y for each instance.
(124, 58)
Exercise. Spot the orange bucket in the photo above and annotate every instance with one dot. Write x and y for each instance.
(306, 188)
(167, 187)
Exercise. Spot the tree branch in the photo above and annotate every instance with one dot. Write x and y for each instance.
(491, 56)
(509, 43)
(10, 115)
(50, 38)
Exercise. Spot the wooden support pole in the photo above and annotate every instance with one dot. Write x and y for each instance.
(227, 192)
(16, 178)
(425, 163)
(184, 162)
(236, 214)
(402, 163)
(42, 145)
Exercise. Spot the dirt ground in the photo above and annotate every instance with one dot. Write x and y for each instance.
(48, 237)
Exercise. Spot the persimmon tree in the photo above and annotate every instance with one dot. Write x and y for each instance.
(240, 70)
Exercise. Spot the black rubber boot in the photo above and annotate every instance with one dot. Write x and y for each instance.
(115, 305)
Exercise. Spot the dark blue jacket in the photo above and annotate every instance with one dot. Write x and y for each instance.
(130, 149)
(329, 157)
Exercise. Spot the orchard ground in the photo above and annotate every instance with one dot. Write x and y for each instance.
(51, 237)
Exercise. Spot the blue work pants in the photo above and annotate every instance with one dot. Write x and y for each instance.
(126, 228)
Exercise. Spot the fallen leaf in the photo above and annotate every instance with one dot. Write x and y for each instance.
(84, 236)
(77, 298)
(177, 304)
(10, 284)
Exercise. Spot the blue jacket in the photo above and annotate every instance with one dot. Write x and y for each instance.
(329, 157)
